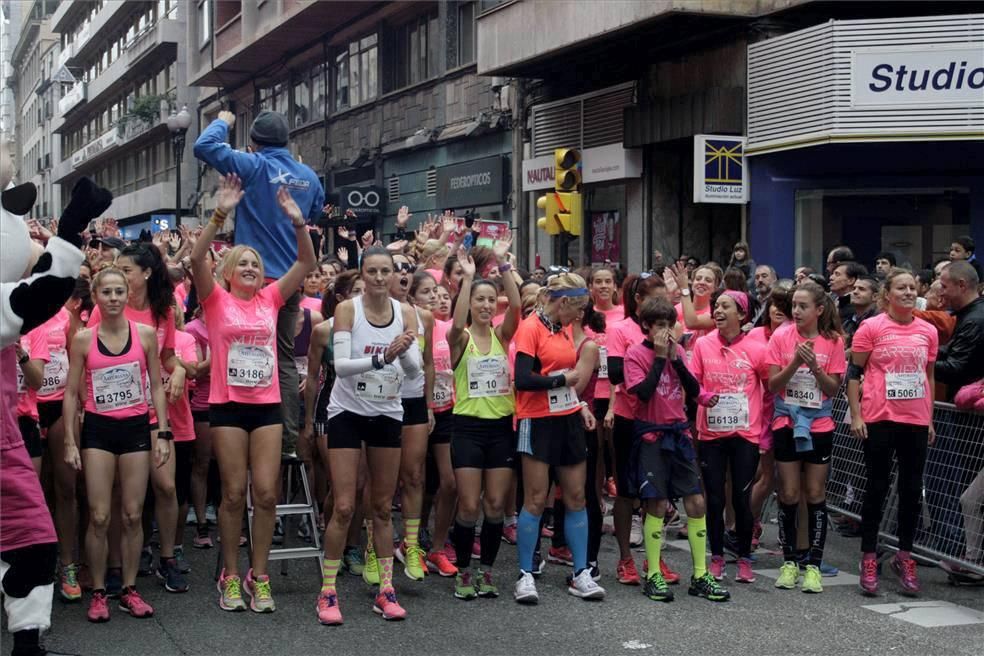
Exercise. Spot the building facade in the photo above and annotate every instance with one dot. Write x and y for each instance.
(382, 97)
(128, 61)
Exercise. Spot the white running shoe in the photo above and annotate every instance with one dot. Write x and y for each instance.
(525, 592)
(584, 586)
(635, 533)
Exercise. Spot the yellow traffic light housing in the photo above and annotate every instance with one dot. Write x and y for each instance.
(548, 222)
(567, 169)
(570, 212)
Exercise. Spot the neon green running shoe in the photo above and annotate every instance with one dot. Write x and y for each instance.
(486, 588)
(812, 580)
(464, 586)
(788, 574)
(370, 572)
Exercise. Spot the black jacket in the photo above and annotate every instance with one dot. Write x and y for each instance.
(961, 360)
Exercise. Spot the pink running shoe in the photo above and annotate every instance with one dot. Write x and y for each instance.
(450, 553)
(756, 534)
(869, 575)
(716, 567)
(477, 548)
(509, 534)
(132, 603)
(387, 606)
(98, 608)
(905, 568)
(745, 573)
(329, 613)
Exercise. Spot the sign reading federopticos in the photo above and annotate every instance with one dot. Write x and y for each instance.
(898, 76)
(719, 169)
(599, 164)
(479, 182)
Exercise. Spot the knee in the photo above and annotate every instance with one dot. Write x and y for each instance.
(233, 496)
(574, 500)
(468, 508)
(494, 508)
(412, 477)
(99, 519)
(343, 511)
(695, 506)
(448, 488)
(816, 494)
(534, 505)
(132, 516)
(165, 489)
(264, 499)
(381, 510)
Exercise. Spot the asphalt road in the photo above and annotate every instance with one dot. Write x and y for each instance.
(759, 620)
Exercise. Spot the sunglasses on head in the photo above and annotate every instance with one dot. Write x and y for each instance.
(553, 271)
(404, 267)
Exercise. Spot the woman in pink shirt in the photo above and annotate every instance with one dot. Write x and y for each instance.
(244, 399)
(604, 292)
(806, 363)
(895, 352)
(113, 363)
(732, 366)
(694, 309)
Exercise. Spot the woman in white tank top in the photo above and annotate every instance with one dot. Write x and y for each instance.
(371, 333)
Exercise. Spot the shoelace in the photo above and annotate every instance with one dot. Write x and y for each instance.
(390, 596)
(869, 568)
(908, 568)
(261, 588)
(71, 575)
(328, 599)
(233, 588)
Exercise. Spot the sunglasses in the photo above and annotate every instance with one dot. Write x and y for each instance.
(404, 267)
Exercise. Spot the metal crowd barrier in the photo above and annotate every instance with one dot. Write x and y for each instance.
(952, 515)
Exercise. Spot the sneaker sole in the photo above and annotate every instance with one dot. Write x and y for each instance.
(435, 570)
(69, 599)
(412, 577)
(369, 579)
(716, 600)
(465, 597)
(139, 617)
(337, 622)
(745, 580)
(587, 596)
(98, 620)
(665, 599)
(163, 581)
(630, 581)
(488, 595)
(560, 561)
(527, 600)
(812, 590)
(388, 618)
(785, 587)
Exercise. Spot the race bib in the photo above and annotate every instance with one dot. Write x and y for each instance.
(443, 389)
(729, 415)
(602, 362)
(21, 386)
(905, 387)
(488, 376)
(117, 388)
(249, 365)
(378, 385)
(562, 399)
(803, 390)
(55, 373)
(301, 362)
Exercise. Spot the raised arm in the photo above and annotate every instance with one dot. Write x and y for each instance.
(291, 281)
(212, 147)
(457, 338)
(229, 194)
(511, 321)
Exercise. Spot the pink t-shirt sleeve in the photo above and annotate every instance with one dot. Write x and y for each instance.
(837, 360)
(616, 341)
(635, 367)
(38, 344)
(696, 364)
(169, 331)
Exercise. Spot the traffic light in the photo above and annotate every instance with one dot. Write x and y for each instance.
(570, 212)
(548, 222)
(567, 169)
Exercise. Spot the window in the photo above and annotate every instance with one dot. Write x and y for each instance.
(466, 33)
(204, 21)
(418, 51)
(355, 71)
(319, 92)
(302, 100)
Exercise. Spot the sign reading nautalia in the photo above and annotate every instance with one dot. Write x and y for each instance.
(894, 76)
(719, 169)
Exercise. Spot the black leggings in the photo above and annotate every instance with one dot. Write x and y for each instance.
(715, 457)
(909, 444)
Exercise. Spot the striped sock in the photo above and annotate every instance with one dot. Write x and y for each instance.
(385, 574)
(412, 527)
(330, 573)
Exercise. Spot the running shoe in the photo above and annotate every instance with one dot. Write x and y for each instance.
(669, 575)
(561, 556)
(657, 589)
(230, 593)
(476, 547)
(745, 573)
(278, 532)
(595, 572)
(258, 589)
(414, 561)
(464, 587)
(438, 562)
(202, 539)
(69, 579)
(539, 564)
(957, 571)
(583, 586)
(905, 569)
(826, 570)
(171, 577)
(146, 566)
(708, 588)
(211, 515)
(352, 561)
(546, 532)
(131, 602)
(370, 571)
(788, 574)
(626, 572)
(812, 581)
(114, 582)
(610, 488)
(509, 534)
(486, 588)
(387, 606)
(635, 533)
(183, 565)
(672, 518)
(716, 567)
(525, 591)
(329, 613)
(756, 534)
(304, 530)
(869, 575)
(450, 553)
(98, 607)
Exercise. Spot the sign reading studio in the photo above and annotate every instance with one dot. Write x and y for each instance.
(894, 76)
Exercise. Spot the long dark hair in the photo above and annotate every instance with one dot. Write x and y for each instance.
(344, 284)
(160, 289)
(637, 284)
(829, 322)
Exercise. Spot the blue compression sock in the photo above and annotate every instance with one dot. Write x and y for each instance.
(576, 532)
(528, 534)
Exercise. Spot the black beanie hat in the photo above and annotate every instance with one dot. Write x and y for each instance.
(269, 129)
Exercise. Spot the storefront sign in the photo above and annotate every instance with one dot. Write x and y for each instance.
(611, 162)
(96, 146)
(366, 202)
(606, 237)
(479, 182)
(719, 169)
(72, 98)
(898, 76)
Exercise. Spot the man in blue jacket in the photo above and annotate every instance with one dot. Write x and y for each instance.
(260, 224)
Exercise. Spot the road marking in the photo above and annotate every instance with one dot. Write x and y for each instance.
(635, 644)
(842, 578)
(930, 614)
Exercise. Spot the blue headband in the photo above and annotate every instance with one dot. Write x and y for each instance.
(576, 291)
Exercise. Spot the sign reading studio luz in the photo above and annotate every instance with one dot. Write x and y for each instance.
(917, 75)
(720, 175)
(470, 184)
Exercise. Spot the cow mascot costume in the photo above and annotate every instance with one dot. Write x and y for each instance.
(34, 285)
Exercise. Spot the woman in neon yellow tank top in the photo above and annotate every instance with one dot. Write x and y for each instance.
(482, 445)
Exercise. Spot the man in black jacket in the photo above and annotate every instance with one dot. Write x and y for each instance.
(961, 360)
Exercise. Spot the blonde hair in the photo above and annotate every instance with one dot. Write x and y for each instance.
(893, 273)
(560, 282)
(109, 270)
(229, 260)
(432, 248)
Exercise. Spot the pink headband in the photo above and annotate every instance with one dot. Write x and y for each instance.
(741, 298)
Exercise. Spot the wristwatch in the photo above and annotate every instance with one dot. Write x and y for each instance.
(165, 435)
(685, 292)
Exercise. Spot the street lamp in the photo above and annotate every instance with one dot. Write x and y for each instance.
(178, 124)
